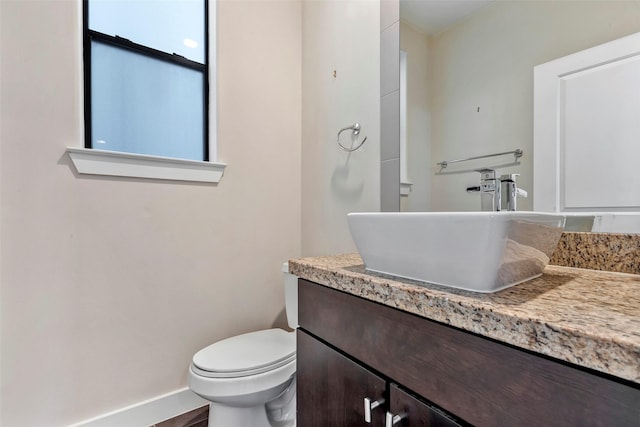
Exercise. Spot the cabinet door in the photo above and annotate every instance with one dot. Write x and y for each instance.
(411, 412)
(331, 388)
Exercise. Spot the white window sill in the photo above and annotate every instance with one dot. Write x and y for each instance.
(113, 163)
(405, 188)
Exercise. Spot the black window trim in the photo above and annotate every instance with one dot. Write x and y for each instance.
(90, 36)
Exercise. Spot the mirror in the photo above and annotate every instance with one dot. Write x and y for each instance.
(469, 86)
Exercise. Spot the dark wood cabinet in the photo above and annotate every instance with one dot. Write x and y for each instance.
(437, 375)
(331, 388)
(412, 412)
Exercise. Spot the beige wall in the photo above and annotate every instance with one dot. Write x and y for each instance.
(487, 62)
(416, 45)
(109, 286)
(343, 36)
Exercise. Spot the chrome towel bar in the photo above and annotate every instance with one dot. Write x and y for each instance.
(516, 153)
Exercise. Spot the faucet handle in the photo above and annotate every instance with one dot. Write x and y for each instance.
(487, 174)
(510, 177)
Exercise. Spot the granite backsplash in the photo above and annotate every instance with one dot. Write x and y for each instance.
(599, 251)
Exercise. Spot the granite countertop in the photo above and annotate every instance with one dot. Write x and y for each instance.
(586, 317)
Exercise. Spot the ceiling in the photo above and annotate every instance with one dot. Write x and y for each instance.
(433, 16)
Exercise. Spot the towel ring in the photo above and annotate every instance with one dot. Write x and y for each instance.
(356, 130)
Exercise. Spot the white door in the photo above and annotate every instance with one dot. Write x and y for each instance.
(587, 130)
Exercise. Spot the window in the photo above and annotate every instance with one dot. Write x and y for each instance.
(146, 84)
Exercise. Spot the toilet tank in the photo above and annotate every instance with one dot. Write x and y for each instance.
(290, 296)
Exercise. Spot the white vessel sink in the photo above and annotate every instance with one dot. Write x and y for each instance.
(475, 251)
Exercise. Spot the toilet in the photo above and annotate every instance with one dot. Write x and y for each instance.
(250, 378)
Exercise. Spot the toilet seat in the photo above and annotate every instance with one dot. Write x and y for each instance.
(245, 355)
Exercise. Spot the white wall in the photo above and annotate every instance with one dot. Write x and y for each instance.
(109, 286)
(487, 62)
(1, 138)
(390, 174)
(343, 36)
(416, 44)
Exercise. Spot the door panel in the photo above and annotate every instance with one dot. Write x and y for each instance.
(331, 388)
(586, 130)
(415, 413)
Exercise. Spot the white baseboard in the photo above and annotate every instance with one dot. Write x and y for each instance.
(149, 412)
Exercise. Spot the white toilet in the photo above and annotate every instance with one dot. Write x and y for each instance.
(250, 378)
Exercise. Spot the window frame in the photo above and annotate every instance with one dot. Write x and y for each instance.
(90, 160)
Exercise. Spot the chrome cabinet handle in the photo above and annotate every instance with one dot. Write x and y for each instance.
(369, 406)
(391, 419)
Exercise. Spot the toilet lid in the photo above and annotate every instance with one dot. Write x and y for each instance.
(246, 354)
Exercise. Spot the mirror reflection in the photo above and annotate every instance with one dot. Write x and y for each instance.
(467, 87)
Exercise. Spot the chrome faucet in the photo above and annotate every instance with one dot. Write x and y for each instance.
(510, 191)
(498, 194)
(490, 191)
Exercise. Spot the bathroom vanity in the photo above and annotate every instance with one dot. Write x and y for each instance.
(563, 349)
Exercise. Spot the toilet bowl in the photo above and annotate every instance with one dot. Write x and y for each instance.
(250, 378)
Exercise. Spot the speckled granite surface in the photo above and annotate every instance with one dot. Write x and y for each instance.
(599, 251)
(589, 318)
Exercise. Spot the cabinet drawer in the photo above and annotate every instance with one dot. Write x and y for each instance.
(479, 380)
